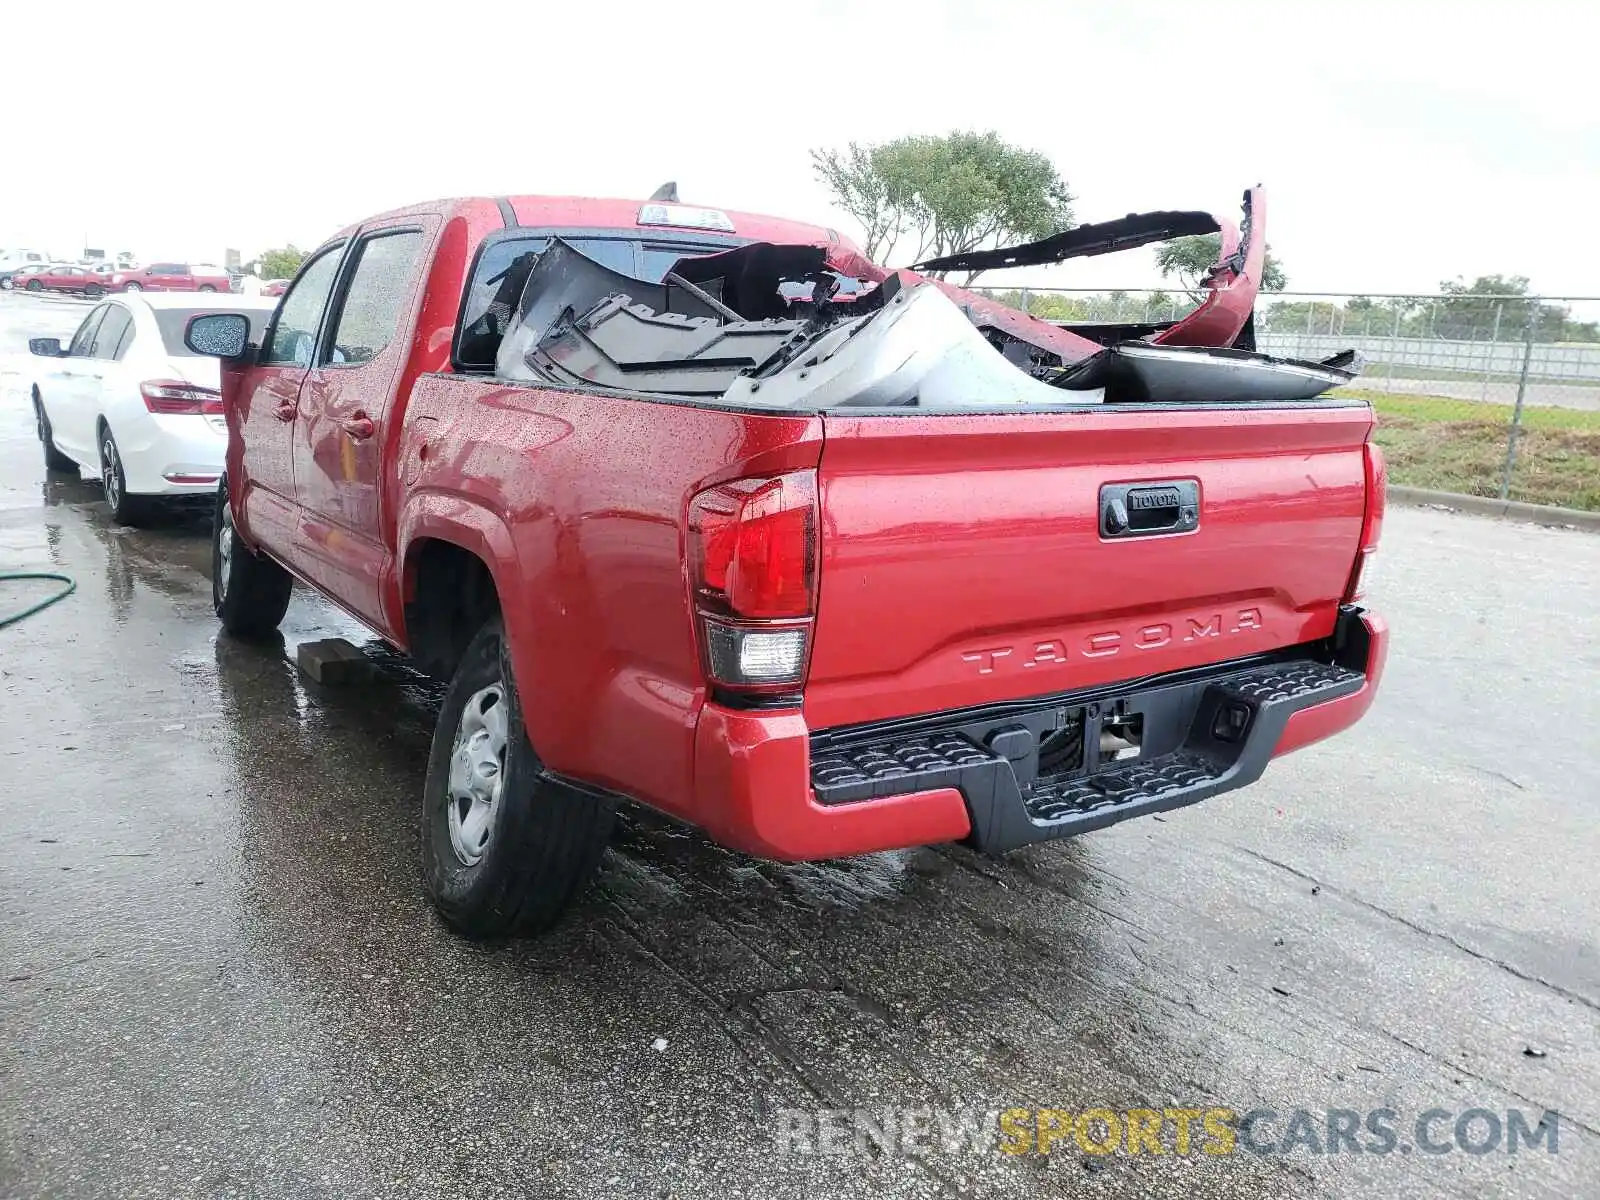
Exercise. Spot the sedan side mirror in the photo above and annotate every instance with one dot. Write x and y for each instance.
(46, 347)
(218, 335)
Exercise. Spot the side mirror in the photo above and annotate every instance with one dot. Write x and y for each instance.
(217, 335)
(45, 347)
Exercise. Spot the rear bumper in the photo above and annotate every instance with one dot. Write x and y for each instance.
(170, 454)
(1013, 774)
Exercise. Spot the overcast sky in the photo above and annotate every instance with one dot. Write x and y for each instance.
(1401, 143)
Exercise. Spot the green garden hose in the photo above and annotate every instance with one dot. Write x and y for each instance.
(53, 576)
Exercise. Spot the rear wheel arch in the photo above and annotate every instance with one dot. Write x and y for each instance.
(473, 528)
(448, 592)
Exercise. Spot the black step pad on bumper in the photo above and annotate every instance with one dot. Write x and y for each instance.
(1198, 736)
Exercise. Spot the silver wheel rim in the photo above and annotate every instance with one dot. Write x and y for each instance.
(477, 772)
(109, 472)
(134, 287)
(224, 550)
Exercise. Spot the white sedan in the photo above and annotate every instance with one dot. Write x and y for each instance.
(128, 399)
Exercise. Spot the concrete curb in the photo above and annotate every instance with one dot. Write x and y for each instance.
(1510, 510)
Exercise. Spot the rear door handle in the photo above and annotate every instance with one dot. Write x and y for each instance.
(359, 427)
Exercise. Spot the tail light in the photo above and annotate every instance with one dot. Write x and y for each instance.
(1377, 477)
(753, 566)
(175, 397)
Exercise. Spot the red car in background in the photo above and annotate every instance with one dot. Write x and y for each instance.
(274, 287)
(81, 280)
(171, 277)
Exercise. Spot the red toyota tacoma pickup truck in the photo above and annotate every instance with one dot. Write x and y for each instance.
(703, 510)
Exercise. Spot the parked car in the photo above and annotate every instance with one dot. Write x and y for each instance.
(62, 277)
(171, 277)
(17, 277)
(128, 399)
(821, 579)
(15, 260)
(274, 287)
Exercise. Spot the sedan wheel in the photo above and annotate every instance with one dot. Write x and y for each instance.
(35, 286)
(133, 287)
(111, 471)
(125, 509)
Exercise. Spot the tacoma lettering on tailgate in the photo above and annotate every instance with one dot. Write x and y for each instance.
(1053, 651)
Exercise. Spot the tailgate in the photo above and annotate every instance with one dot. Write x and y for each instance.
(963, 560)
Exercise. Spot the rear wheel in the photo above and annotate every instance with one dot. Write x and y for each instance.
(94, 291)
(133, 287)
(54, 460)
(249, 591)
(125, 509)
(505, 847)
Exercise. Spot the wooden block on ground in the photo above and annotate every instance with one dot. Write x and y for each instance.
(333, 661)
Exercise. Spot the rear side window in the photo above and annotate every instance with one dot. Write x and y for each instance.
(496, 286)
(294, 333)
(379, 283)
(492, 297)
(112, 330)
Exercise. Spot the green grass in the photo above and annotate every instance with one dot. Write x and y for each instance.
(1453, 445)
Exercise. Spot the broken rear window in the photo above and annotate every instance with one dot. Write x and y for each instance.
(502, 270)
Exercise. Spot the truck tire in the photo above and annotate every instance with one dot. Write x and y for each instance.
(505, 847)
(249, 591)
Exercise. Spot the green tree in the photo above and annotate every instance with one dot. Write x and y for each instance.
(951, 194)
(1161, 306)
(1499, 306)
(279, 264)
(860, 187)
(1191, 259)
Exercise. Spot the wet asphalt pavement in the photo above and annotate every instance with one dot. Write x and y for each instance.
(218, 976)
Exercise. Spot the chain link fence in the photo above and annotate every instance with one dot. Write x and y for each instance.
(1492, 395)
